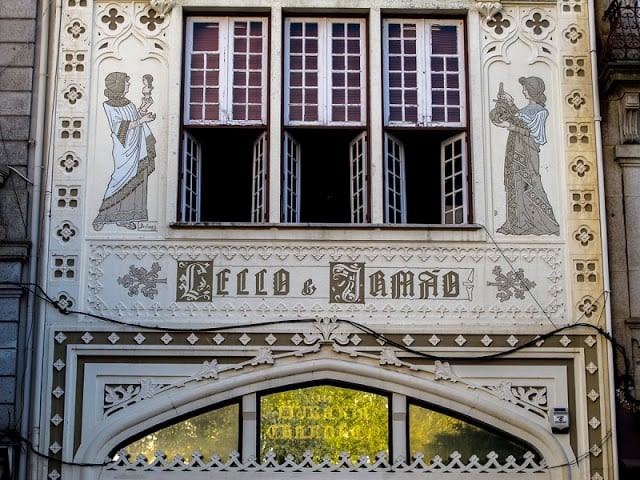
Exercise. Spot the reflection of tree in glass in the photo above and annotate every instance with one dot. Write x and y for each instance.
(433, 433)
(214, 432)
(325, 420)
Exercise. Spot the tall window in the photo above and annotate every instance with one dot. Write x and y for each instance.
(325, 156)
(425, 165)
(224, 141)
(325, 152)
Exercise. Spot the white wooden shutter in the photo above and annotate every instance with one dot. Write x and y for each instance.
(453, 158)
(291, 180)
(190, 179)
(258, 191)
(394, 181)
(358, 162)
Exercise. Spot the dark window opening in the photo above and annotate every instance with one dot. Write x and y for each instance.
(226, 177)
(325, 181)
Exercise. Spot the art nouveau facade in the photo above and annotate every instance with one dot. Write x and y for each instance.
(249, 196)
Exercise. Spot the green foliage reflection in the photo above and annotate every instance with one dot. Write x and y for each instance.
(214, 432)
(325, 420)
(432, 433)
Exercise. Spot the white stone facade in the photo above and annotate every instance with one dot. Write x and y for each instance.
(181, 315)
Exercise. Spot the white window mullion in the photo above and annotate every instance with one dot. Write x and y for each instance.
(191, 179)
(324, 74)
(424, 69)
(453, 178)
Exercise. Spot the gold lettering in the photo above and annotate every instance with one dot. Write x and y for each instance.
(281, 282)
(428, 282)
(451, 284)
(222, 279)
(260, 282)
(402, 284)
(241, 282)
(377, 286)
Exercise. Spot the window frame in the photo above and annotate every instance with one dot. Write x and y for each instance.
(226, 82)
(325, 80)
(424, 80)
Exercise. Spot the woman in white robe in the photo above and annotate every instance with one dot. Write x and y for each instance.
(125, 199)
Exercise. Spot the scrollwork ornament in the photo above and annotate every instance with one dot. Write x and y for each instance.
(163, 7)
(488, 10)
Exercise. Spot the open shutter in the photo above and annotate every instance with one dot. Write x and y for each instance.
(291, 180)
(453, 157)
(190, 180)
(258, 190)
(358, 161)
(394, 181)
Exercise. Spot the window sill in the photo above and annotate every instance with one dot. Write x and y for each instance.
(330, 231)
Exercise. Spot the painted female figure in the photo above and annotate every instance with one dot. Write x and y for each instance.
(125, 199)
(528, 209)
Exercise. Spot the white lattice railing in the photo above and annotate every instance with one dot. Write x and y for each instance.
(160, 467)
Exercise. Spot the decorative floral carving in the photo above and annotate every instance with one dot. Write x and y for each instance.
(584, 235)
(512, 284)
(139, 279)
(580, 167)
(112, 19)
(362, 465)
(68, 162)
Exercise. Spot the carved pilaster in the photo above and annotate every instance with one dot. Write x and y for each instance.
(630, 117)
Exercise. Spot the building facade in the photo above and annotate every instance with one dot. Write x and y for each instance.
(619, 36)
(394, 197)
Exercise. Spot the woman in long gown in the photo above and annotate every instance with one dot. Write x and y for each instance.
(125, 199)
(528, 209)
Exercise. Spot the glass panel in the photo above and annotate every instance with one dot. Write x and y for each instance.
(432, 433)
(325, 420)
(215, 432)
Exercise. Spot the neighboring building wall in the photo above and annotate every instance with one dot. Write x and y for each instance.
(619, 47)
(17, 50)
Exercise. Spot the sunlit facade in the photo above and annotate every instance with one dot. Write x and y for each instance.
(346, 238)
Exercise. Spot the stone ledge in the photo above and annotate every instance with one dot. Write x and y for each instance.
(14, 251)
